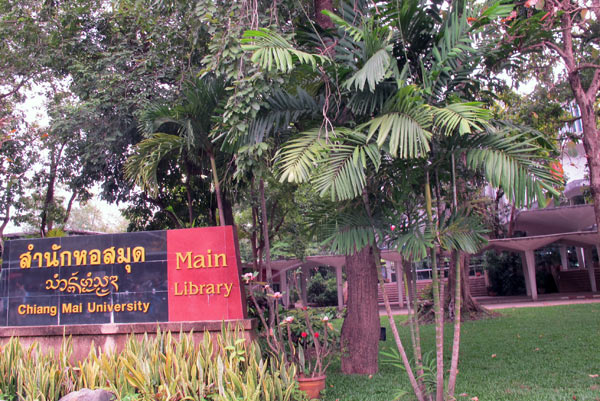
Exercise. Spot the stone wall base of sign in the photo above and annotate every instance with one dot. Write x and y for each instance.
(112, 337)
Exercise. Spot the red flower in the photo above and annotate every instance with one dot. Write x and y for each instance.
(316, 335)
(304, 308)
(303, 334)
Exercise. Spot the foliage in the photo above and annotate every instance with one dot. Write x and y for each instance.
(161, 367)
(302, 338)
(419, 109)
(505, 273)
(179, 150)
(322, 288)
(17, 151)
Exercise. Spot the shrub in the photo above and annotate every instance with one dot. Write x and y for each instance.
(505, 273)
(164, 367)
(322, 289)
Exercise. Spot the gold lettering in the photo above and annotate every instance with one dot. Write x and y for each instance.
(182, 259)
(223, 258)
(199, 261)
(228, 287)
(209, 261)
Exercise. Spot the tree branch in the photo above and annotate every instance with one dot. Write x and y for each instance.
(557, 49)
(15, 89)
(584, 66)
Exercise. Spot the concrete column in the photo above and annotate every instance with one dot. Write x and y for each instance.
(304, 276)
(525, 274)
(530, 263)
(283, 282)
(579, 253)
(400, 284)
(564, 261)
(339, 279)
(589, 264)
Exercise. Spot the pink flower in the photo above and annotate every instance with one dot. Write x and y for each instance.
(325, 318)
(392, 227)
(277, 295)
(289, 319)
(248, 277)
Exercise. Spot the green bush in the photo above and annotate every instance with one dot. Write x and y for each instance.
(164, 367)
(322, 289)
(505, 273)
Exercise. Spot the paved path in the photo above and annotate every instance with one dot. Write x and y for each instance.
(525, 302)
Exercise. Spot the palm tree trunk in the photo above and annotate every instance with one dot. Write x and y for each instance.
(410, 277)
(265, 229)
(457, 300)
(388, 309)
(439, 318)
(213, 166)
(360, 330)
(457, 322)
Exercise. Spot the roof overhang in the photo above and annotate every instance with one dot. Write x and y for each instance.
(523, 244)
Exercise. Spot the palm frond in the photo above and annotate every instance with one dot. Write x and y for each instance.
(450, 57)
(405, 127)
(343, 227)
(142, 166)
(283, 109)
(513, 163)
(298, 158)
(153, 117)
(271, 50)
(466, 117)
(415, 243)
(366, 102)
(343, 172)
(462, 231)
(355, 33)
(374, 70)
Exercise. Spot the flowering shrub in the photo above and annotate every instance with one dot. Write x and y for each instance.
(304, 337)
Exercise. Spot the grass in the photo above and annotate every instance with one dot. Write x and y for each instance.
(528, 354)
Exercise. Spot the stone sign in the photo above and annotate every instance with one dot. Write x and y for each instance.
(156, 276)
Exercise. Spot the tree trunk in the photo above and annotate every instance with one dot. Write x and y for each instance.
(265, 229)
(591, 144)
(360, 331)
(228, 209)
(322, 20)
(213, 166)
(470, 308)
(585, 99)
(3, 225)
(69, 207)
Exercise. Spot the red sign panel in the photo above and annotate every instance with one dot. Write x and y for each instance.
(203, 275)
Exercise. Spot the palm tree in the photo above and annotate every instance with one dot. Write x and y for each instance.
(183, 130)
(405, 104)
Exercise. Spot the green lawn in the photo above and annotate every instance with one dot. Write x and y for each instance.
(541, 354)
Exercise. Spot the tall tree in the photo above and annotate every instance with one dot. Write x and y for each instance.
(564, 37)
(184, 130)
(404, 108)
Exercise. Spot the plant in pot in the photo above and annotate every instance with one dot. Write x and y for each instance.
(312, 355)
(304, 338)
(310, 344)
